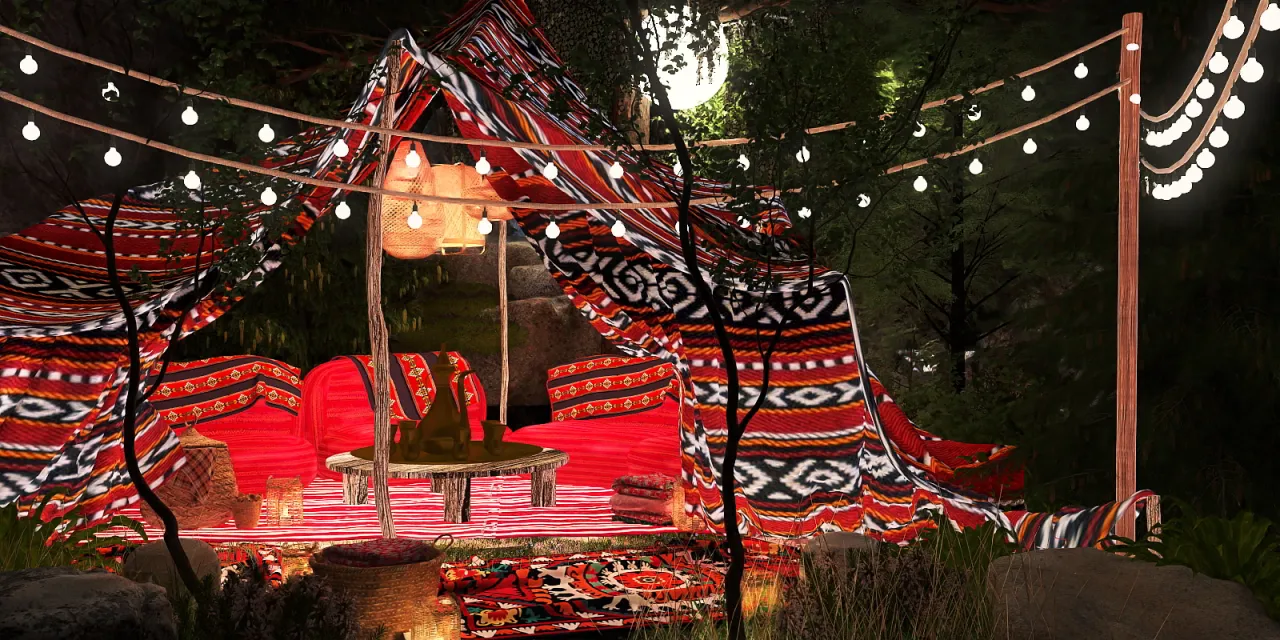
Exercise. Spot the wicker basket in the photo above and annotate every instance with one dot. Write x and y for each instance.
(247, 509)
(202, 493)
(397, 597)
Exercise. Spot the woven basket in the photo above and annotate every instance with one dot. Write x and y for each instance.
(201, 494)
(396, 597)
(679, 519)
(247, 509)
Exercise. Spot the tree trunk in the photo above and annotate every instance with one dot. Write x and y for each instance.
(958, 335)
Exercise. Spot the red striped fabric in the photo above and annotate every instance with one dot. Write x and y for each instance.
(607, 386)
(214, 388)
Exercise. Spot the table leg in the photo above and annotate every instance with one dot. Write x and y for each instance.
(542, 487)
(355, 489)
(457, 498)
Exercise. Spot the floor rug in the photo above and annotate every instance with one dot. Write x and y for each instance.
(522, 597)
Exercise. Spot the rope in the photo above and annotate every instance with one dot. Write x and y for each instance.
(1204, 63)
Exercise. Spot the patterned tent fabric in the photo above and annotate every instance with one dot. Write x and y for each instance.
(192, 392)
(608, 386)
(412, 389)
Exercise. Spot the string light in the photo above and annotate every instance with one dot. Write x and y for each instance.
(412, 159)
(189, 116)
(1252, 70)
(1081, 70)
(553, 230)
(112, 157)
(1029, 147)
(1135, 98)
(1271, 18)
(343, 210)
(191, 180)
(30, 131)
(484, 226)
(975, 167)
(415, 218)
(744, 222)
(864, 200)
(1194, 108)
(1219, 138)
(1205, 159)
(1195, 173)
(920, 184)
(266, 133)
(550, 171)
(1234, 108)
(679, 169)
(803, 154)
(482, 165)
(340, 148)
(1082, 123)
(1218, 63)
(618, 229)
(110, 92)
(1132, 46)
(804, 213)
(1028, 93)
(268, 196)
(616, 171)
(744, 162)
(28, 65)
(1204, 90)
(920, 130)
(1234, 28)
(975, 113)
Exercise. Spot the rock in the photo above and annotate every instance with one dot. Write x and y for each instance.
(152, 563)
(1065, 594)
(483, 268)
(62, 603)
(531, 281)
(837, 547)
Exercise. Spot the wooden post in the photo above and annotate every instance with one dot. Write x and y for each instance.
(377, 324)
(502, 321)
(1127, 289)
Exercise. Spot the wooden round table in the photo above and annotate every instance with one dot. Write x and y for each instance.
(453, 479)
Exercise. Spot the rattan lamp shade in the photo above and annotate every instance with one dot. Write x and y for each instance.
(446, 228)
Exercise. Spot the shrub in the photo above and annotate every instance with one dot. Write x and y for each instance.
(27, 541)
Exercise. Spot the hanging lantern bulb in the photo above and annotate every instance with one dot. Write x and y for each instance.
(1204, 90)
(1219, 138)
(920, 183)
(1234, 108)
(415, 218)
(616, 171)
(1158, 192)
(679, 169)
(553, 230)
(1205, 159)
(340, 148)
(1271, 18)
(1218, 63)
(266, 133)
(920, 130)
(1252, 70)
(975, 113)
(1234, 28)
(112, 157)
(482, 165)
(1081, 70)
(343, 210)
(618, 229)
(550, 171)
(189, 116)
(804, 213)
(268, 196)
(744, 162)
(744, 222)
(1132, 46)
(412, 159)
(1028, 93)
(30, 131)
(1153, 138)
(864, 200)
(191, 180)
(1194, 108)
(1182, 124)
(28, 65)
(1195, 173)
(803, 154)
(1029, 147)
(1135, 98)
(110, 92)
(975, 167)
(1082, 123)
(484, 226)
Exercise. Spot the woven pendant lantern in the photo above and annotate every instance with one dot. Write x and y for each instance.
(444, 228)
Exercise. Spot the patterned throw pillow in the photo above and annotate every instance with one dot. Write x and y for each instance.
(608, 386)
(378, 553)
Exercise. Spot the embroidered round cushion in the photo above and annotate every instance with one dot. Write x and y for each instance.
(378, 553)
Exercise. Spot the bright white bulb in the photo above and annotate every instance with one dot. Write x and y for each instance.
(975, 167)
(1205, 159)
(1234, 108)
(483, 167)
(679, 169)
(744, 222)
(864, 200)
(1182, 124)
(415, 218)
(1271, 18)
(1028, 93)
(920, 183)
(804, 212)
(1157, 192)
(1219, 138)
(266, 133)
(191, 180)
(744, 162)
(553, 230)
(29, 65)
(268, 196)
(189, 116)
(1082, 123)
(1218, 63)
(920, 130)
(343, 210)
(1234, 28)
(1251, 71)
(412, 159)
(1194, 108)
(1082, 71)
(550, 171)
(31, 131)
(618, 229)
(803, 154)
(112, 157)
(1132, 46)
(1204, 90)
(1029, 147)
(1195, 173)
(1135, 98)
(975, 114)
(484, 226)
(110, 92)
(616, 171)
(340, 148)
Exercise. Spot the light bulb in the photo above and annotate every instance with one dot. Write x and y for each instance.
(29, 65)
(1251, 71)
(975, 113)
(744, 222)
(679, 169)
(110, 92)
(340, 148)
(1082, 71)
(553, 230)
(920, 131)
(864, 200)
(1082, 123)
(415, 218)
(1135, 98)
(1218, 63)
(1219, 138)
(550, 171)
(112, 157)
(1028, 93)
(1182, 124)
(1195, 173)
(1157, 192)
(804, 213)
(31, 131)
(618, 229)
(482, 166)
(1132, 46)
(412, 159)
(920, 183)
(1205, 159)
(343, 210)
(1234, 108)
(803, 154)
(744, 162)
(1029, 147)
(1204, 90)
(266, 133)
(484, 226)
(189, 116)
(1153, 138)
(1271, 18)
(616, 171)
(1194, 108)
(191, 180)
(1234, 28)
(268, 196)
(975, 167)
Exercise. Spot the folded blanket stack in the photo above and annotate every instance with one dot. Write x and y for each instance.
(643, 499)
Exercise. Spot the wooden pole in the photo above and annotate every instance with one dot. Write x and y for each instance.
(1127, 289)
(502, 321)
(377, 324)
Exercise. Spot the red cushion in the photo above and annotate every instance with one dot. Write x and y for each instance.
(379, 553)
(607, 386)
(258, 455)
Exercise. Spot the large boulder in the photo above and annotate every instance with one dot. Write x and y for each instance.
(1065, 594)
(532, 281)
(152, 563)
(483, 268)
(62, 603)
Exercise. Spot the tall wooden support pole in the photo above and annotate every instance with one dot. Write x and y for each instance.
(1127, 290)
(377, 324)
(502, 321)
